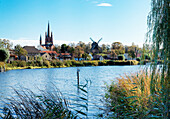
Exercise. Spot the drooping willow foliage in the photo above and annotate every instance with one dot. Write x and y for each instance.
(158, 37)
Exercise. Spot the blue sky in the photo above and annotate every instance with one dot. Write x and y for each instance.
(22, 21)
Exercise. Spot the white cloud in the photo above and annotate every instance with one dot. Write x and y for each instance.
(104, 5)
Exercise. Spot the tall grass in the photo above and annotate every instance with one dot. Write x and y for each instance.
(131, 97)
(50, 105)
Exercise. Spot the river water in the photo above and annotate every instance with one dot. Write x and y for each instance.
(65, 79)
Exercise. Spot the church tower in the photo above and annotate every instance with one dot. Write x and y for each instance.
(48, 36)
(48, 39)
(40, 40)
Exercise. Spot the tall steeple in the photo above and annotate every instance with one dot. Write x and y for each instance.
(51, 37)
(48, 31)
(40, 40)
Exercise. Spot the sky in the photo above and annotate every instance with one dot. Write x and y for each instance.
(71, 21)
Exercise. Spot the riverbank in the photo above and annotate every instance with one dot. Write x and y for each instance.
(69, 63)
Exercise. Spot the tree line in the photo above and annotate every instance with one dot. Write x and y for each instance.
(82, 50)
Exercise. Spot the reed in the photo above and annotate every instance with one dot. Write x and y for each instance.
(26, 104)
(131, 97)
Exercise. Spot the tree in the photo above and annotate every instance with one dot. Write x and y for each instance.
(158, 36)
(4, 54)
(20, 51)
(108, 47)
(88, 48)
(118, 47)
(63, 48)
(113, 54)
(78, 52)
(86, 56)
(57, 48)
(104, 48)
(4, 43)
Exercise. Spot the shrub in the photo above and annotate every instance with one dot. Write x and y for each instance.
(39, 62)
(102, 63)
(59, 63)
(46, 63)
(4, 54)
(31, 63)
(121, 57)
(67, 63)
(21, 63)
(15, 63)
(138, 59)
(53, 63)
(77, 63)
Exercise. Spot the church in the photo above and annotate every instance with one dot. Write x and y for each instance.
(48, 40)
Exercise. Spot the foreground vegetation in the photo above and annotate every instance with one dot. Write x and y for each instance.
(131, 97)
(49, 105)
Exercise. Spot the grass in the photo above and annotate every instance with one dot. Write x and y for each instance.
(131, 97)
(48, 105)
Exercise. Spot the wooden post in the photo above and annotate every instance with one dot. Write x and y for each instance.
(78, 70)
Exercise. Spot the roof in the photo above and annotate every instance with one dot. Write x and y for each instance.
(50, 52)
(12, 55)
(31, 49)
(65, 55)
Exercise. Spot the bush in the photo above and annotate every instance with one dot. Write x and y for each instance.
(46, 63)
(53, 63)
(138, 59)
(39, 63)
(102, 63)
(21, 63)
(15, 63)
(4, 55)
(77, 63)
(59, 63)
(67, 63)
(31, 63)
(121, 57)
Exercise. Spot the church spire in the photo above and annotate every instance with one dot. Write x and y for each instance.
(48, 31)
(40, 40)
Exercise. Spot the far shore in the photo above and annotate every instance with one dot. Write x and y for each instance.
(68, 63)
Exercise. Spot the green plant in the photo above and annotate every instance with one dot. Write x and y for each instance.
(46, 63)
(131, 97)
(53, 63)
(21, 63)
(4, 54)
(121, 57)
(67, 63)
(48, 105)
(138, 59)
(59, 63)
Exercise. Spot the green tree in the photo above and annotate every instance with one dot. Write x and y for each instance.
(63, 48)
(158, 37)
(57, 48)
(4, 54)
(118, 47)
(113, 54)
(78, 52)
(20, 51)
(104, 48)
(4, 43)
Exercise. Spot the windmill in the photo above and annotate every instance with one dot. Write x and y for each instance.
(95, 45)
